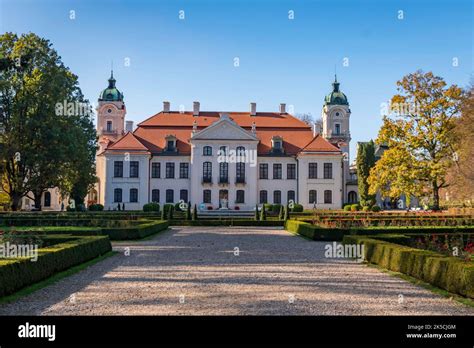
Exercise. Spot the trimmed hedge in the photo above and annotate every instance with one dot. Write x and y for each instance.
(228, 222)
(449, 273)
(135, 232)
(315, 232)
(20, 272)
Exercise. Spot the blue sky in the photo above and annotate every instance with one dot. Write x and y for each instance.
(281, 60)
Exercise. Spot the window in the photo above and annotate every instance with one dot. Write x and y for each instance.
(223, 172)
(240, 172)
(327, 196)
(312, 196)
(169, 170)
(276, 170)
(277, 197)
(313, 171)
(117, 195)
(184, 170)
(327, 170)
(291, 171)
(240, 153)
(183, 195)
(206, 196)
(169, 196)
(291, 196)
(155, 195)
(207, 172)
(155, 170)
(263, 170)
(263, 197)
(118, 169)
(207, 151)
(240, 198)
(109, 125)
(222, 151)
(352, 197)
(337, 129)
(47, 199)
(133, 195)
(134, 169)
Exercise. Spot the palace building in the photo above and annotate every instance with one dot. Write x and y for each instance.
(223, 159)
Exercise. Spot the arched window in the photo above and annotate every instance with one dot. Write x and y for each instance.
(207, 151)
(133, 195)
(47, 199)
(169, 196)
(327, 196)
(352, 197)
(263, 197)
(183, 196)
(118, 195)
(291, 196)
(207, 172)
(155, 195)
(312, 196)
(277, 197)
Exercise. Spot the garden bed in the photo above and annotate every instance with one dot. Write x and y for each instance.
(65, 252)
(449, 273)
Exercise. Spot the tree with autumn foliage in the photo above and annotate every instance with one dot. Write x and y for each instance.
(419, 134)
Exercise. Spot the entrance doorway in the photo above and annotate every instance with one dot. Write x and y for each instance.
(223, 199)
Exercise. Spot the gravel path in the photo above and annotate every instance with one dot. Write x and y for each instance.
(196, 270)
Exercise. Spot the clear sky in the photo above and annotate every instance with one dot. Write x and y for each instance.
(281, 59)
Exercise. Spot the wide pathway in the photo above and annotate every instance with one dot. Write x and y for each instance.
(230, 271)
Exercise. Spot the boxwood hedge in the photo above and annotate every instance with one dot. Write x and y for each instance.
(449, 273)
(73, 250)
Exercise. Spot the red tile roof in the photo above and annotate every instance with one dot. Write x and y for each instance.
(150, 134)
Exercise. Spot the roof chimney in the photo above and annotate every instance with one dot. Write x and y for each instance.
(282, 108)
(129, 126)
(166, 106)
(196, 108)
(253, 109)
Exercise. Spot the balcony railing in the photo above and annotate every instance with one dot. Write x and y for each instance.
(207, 179)
(240, 180)
(109, 131)
(223, 180)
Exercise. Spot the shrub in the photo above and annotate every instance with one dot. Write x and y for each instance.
(347, 207)
(135, 232)
(355, 207)
(263, 213)
(151, 207)
(268, 206)
(170, 212)
(297, 208)
(177, 207)
(195, 213)
(256, 217)
(376, 208)
(366, 209)
(276, 208)
(96, 207)
(188, 211)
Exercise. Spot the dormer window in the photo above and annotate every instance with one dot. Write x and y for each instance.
(277, 144)
(170, 143)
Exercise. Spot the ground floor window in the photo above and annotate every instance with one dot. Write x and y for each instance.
(183, 195)
(312, 197)
(327, 196)
(206, 196)
(118, 195)
(291, 196)
(47, 199)
(352, 197)
(169, 196)
(263, 197)
(240, 198)
(155, 195)
(134, 195)
(277, 197)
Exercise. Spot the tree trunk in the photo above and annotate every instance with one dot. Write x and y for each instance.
(435, 196)
(37, 197)
(15, 201)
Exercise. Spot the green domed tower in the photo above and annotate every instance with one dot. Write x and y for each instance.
(111, 93)
(336, 97)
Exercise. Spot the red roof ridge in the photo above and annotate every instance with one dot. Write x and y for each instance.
(130, 142)
(323, 145)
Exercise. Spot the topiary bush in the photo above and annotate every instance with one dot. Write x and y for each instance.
(376, 209)
(366, 209)
(151, 207)
(268, 206)
(355, 207)
(297, 208)
(347, 207)
(276, 208)
(96, 207)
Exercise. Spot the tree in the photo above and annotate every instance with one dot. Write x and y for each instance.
(306, 118)
(41, 147)
(365, 161)
(461, 175)
(281, 214)
(287, 212)
(188, 211)
(195, 214)
(419, 134)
